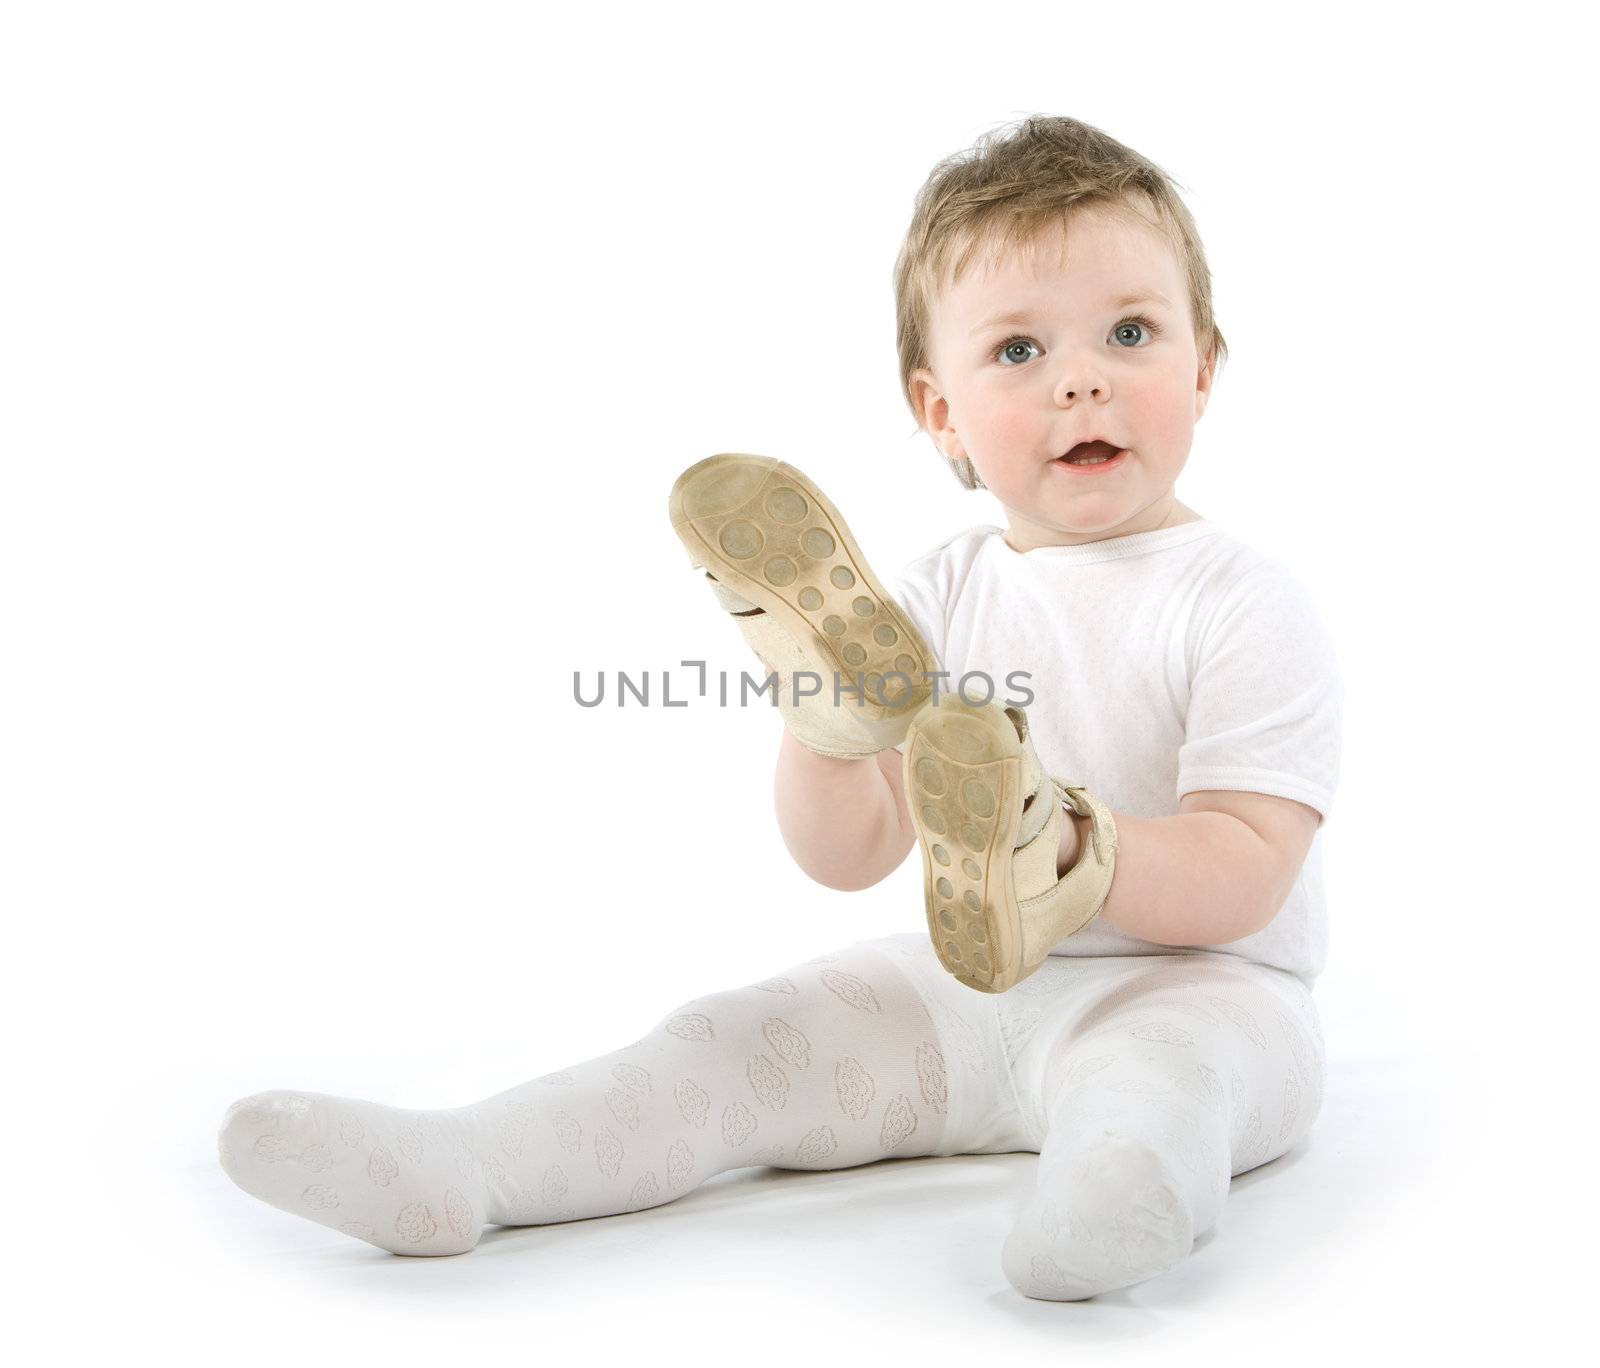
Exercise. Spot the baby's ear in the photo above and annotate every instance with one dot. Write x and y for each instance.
(1203, 384)
(925, 397)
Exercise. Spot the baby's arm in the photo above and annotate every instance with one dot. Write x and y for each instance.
(1216, 872)
(1264, 712)
(844, 821)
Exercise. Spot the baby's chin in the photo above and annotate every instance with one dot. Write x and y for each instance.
(1089, 520)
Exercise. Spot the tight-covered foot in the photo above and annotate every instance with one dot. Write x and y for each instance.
(407, 1181)
(1105, 1217)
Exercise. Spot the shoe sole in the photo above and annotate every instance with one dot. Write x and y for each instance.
(963, 786)
(769, 534)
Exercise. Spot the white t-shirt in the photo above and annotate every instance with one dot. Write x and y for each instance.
(1160, 663)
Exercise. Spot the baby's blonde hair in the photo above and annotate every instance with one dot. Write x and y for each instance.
(1001, 193)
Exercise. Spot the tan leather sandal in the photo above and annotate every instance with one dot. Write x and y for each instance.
(784, 565)
(988, 821)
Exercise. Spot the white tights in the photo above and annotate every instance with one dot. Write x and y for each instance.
(1143, 1083)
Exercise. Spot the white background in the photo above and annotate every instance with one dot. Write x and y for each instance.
(350, 352)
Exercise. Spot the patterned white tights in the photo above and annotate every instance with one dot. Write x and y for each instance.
(1143, 1083)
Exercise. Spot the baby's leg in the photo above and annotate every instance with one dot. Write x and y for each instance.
(827, 1065)
(1164, 1077)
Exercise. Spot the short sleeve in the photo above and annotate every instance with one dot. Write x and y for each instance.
(1266, 699)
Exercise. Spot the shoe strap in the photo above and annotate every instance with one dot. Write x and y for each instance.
(1039, 788)
(730, 601)
(1037, 812)
(1102, 847)
(1102, 828)
(1077, 897)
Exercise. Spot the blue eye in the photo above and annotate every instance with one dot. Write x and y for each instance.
(1143, 324)
(1011, 342)
(1146, 325)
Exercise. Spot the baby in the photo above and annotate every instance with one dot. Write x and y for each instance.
(1119, 967)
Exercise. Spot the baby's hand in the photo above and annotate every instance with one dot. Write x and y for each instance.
(1073, 829)
(784, 565)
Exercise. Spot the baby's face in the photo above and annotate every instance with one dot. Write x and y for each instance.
(1015, 394)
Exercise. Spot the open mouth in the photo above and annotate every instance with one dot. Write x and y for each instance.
(1094, 455)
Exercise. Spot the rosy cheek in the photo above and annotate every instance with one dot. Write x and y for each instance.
(1160, 411)
(1018, 439)
(1012, 428)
